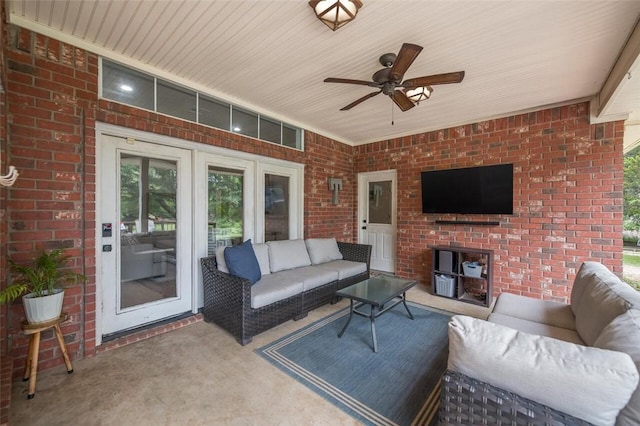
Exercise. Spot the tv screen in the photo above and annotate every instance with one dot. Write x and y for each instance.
(473, 190)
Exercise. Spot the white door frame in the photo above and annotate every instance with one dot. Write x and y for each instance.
(363, 204)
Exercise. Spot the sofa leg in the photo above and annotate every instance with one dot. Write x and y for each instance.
(299, 317)
(244, 341)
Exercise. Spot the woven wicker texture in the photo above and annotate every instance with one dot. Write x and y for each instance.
(227, 298)
(464, 400)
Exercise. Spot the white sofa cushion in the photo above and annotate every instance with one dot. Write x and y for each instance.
(262, 254)
(623, 334)
(322, 250)
(272, 288)
(543, 311)
(311, 276)
(345, 268)
(534, 327)
(287, 254)
(588, 383)
(220, 260)
(597, 297)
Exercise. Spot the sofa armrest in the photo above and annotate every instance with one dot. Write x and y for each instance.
(356, 252)
(465, 400)
(225, 296)
(588, 383)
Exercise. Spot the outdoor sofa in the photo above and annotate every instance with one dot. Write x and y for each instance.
(294, 277)
(543, 362)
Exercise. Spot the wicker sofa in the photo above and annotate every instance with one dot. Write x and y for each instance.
(544, 362)
(296, 277)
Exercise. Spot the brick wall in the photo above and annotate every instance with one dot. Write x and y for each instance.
(5, 360)
(567, 196)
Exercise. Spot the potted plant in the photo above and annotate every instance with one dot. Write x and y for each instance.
(42, 281)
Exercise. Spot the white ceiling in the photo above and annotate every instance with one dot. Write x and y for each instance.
(272, 56)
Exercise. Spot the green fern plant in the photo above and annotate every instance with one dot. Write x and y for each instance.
(42, 277)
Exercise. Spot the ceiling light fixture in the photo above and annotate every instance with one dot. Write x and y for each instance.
(335, 13)
(418, 94)
(126, 88)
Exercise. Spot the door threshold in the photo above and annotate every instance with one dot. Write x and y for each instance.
(106, 338)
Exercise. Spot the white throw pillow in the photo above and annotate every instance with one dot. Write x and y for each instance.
(287, 254)
(588, 383)
(262, 254)
(220, 260)
(323, 250)
(623, 334)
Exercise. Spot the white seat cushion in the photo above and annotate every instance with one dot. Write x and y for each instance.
(311, 276)
(345, 268)
(262, 254)
(272, 288)
(533, 327)
(543, 311)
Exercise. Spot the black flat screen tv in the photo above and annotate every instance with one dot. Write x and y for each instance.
(472, 190)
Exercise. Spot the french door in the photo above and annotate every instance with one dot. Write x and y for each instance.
(144, 235)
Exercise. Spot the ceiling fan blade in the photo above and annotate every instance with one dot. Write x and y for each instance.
(349, 81)
(403, 102)
(362, 99)
(408, 53)
(452, 77)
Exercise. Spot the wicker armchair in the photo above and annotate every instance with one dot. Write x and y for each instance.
(465, 400)
(227, 298)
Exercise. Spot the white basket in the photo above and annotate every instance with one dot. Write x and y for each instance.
(445, 286)
(472, 269)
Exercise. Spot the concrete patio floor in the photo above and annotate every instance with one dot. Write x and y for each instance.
(196, 375)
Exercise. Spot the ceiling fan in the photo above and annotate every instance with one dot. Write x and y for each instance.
(389, 79)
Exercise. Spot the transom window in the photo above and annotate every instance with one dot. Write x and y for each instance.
(132, 87)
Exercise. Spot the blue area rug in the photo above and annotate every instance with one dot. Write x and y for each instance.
(400, 384)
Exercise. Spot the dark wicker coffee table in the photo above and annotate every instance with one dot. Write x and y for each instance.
(376, 292)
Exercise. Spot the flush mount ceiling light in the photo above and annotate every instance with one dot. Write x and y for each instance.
(335, 13)
(418, 94)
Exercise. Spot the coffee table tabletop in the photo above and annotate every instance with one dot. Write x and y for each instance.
(375, 292)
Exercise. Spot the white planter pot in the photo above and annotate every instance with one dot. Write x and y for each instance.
(43, 309)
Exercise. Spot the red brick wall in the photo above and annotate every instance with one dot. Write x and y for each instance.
(324, 159)
(567, 196)
(5, 360)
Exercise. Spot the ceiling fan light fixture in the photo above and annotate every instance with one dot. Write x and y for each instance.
(417, 94)
(335, 13)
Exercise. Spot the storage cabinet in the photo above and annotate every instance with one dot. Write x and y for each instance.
(462, 273)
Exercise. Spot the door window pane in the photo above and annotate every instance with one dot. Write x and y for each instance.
(276, 207)
(225, 208)
(380, 202)
(148, 201)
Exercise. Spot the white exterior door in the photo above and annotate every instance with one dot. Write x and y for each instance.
(144, 232)
(377, 217)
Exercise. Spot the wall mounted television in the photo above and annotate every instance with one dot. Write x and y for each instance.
(472, 190)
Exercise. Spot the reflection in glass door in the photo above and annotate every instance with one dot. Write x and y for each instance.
(276, 207)
(148, 227)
